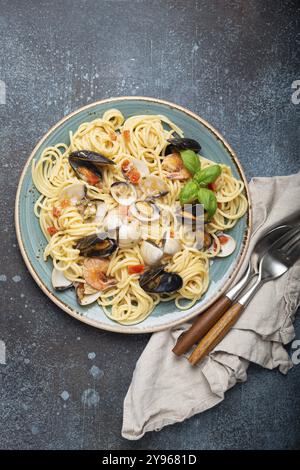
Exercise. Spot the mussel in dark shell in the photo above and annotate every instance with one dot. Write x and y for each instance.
(182, 143)
(96, 245)
(86, 171)
(158, 281)
(93, 157)
(87, 165)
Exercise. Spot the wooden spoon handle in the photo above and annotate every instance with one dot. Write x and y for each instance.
(202, 325)
(216, 333)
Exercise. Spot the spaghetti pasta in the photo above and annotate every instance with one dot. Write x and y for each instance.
(64, 221)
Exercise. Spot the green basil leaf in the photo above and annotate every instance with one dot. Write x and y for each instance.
(190, 160)
(208, 175)
(189, 192)
(209, 201)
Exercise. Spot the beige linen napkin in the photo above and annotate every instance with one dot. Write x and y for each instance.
(166, 389)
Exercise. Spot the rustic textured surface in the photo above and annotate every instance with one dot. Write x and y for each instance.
(233, 62)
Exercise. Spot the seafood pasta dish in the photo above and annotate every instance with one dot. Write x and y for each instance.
(133, 214)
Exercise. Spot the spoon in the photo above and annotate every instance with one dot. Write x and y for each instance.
(207, 319)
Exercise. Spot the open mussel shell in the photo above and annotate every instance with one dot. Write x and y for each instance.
(93, 157)
(228, 245)
(96, 245)
(150, 252)
(75, 192)
(158, 281)
(171, 245)
(123, 193)
(153, 187)
(59, 280)
(149, 275)
(87, 208)
(182, 143)
(145, 211)
(85, 170)
(83, 298)
(135, 164)
(129, 234)
(87, 165)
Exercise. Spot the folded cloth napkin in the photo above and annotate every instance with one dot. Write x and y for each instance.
(166, 389)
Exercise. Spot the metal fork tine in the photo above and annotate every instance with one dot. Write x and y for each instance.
(294, 253)
(293, 249)
(290, 244)
(285, 239)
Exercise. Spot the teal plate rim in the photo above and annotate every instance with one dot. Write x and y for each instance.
(133, 329)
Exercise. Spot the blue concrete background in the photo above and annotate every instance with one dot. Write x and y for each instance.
(232, 62)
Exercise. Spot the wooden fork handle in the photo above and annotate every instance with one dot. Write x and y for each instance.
(216, 333)
(202, 325)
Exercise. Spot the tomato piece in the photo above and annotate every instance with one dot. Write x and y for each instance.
(112, 136)
(65, 203)
(126, 135)
(52, 230)
(130, 171)
(125, 166)
(56, 212)
(223, 239)
(134, 176)
(136, 269)
(212, 186)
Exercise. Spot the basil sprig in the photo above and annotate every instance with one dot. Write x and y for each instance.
(189, 192)
(190, 160)
(209, 201)
(208, 175)
(196, 189)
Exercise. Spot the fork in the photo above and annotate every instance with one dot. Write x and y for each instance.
(281, 256)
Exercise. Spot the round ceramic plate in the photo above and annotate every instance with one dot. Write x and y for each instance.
(32, 242)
